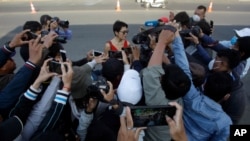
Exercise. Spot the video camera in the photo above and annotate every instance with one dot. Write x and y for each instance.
(93, 90)
(62, 23)
(195, 30)
(142, 37)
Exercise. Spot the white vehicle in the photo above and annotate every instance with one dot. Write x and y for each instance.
(153, 3)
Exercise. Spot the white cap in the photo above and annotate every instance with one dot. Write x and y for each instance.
(130, 87)
(243, 32)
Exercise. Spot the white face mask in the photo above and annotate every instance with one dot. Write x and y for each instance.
(211, 64)
(196, 18)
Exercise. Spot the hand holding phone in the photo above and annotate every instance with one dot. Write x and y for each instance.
(55, 66)
(97, 53)
(176, 124)
(63, 55)
(144, 116)
(29, 35)
(126, 131)
(211, 24)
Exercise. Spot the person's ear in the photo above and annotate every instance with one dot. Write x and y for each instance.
(226, 97)
(116, 33)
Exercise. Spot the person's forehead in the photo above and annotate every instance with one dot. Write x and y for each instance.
(221, 58)
(199, 11)
(124, 27)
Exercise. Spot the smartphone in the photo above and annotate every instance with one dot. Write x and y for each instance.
(128, 50)
(55, 66)
(63, 55)
(146, 116)
(29, 35)
(97, 53)
(115, 54)
(211, 24)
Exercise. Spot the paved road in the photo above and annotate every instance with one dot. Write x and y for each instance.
(92, 28)
(68, 5)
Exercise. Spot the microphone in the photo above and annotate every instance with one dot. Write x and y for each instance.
(154, 23)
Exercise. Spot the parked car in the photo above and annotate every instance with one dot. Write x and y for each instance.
(153, 3)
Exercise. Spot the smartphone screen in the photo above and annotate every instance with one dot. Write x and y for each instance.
(63, 55)
(97, 53)
(145, 116)
(55, 66)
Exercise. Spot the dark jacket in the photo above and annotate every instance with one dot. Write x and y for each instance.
(12, 127)
(235, 105)
(5, 54)
(17, 86)
(52, 118)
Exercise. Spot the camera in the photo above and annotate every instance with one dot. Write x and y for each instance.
(93, 90)
(142, 37)
(195, 30)
(60, 39)
(62, 23)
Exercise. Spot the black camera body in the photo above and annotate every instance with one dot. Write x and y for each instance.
(93, 91)
(62, 23)
(142, 37)
(195, 30)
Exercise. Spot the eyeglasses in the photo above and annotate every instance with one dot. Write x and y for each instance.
(124, 32)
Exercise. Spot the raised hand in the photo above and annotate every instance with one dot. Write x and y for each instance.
(35, 50)
(44, 74)
(101, 58)
(90, 55)
(176, 125)
(110, 95)
(126, 131)
(135, 52)
(48, 39)
(166, 37)
(67, 74)
(17, 40)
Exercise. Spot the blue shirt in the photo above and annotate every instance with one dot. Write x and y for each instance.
(204, 119)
